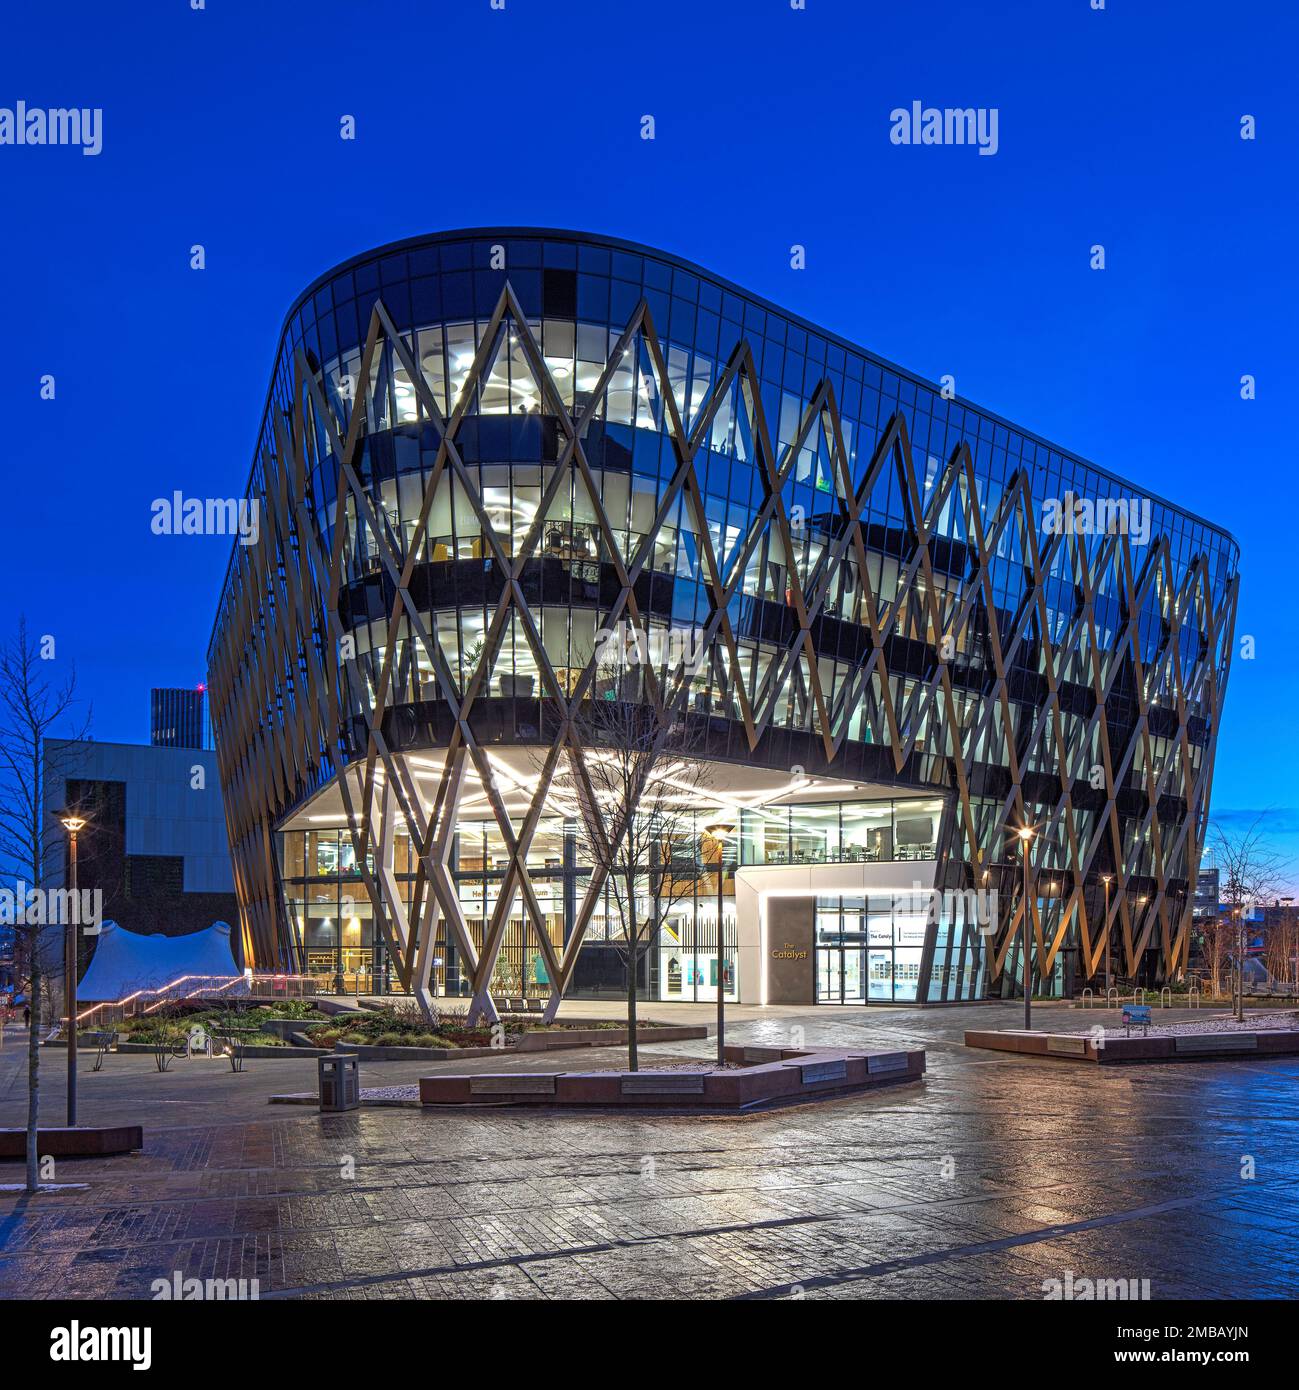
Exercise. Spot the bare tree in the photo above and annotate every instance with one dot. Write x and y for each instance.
(1249, 874)
(1281, 941)
(637, 788)
(30, 706)
(1218, 931)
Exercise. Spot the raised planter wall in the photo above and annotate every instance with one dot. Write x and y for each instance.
(786, 1078)
(85, 1141)
(1136, 1047)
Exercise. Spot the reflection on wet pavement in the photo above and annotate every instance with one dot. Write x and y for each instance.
(996, 1176)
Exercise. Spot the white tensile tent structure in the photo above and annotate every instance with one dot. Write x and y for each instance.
(125, 961)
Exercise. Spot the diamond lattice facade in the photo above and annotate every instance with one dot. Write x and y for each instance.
(897, 627)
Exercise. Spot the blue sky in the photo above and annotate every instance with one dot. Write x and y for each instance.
(221, 127)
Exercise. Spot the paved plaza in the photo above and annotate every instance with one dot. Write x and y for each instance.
(994, 1176)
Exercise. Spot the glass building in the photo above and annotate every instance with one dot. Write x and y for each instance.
(899, 629)
(176, 718)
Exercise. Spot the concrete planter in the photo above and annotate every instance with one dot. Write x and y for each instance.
(790, 1077)
(1136, 1047)
(85, 1141)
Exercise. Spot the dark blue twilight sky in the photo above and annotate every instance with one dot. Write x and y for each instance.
(221, 126)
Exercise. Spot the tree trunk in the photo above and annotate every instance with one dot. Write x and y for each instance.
(633, 960)
(1240, 974)
(631, 1009)
(33, 1069)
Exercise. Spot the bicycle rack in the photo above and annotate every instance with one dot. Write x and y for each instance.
(1087, 997)
(1114, 990)
(1138, 996)
(1165, 1002)
(1193, 998)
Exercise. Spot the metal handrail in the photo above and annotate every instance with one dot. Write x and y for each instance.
(197, 987)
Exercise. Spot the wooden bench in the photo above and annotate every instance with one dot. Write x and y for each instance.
(1215, 1042)
(660, 1083)
(836, 1070)
(504, 1085)
(887, 1061)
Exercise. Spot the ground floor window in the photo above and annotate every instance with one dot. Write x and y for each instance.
(868, 949)
(335, 933)
(690, 967)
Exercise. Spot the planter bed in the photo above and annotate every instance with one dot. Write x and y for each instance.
(526, 1042)
(287, 1027)
(372, 1052)
(555, 1040)
(1167, 1047)
(249, 1052)
(780, 1077)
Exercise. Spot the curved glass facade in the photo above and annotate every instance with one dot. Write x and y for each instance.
(485, 454)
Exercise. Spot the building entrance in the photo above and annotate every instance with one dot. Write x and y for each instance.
(840, 975)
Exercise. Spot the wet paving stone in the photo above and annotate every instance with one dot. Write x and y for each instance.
(994, 1177)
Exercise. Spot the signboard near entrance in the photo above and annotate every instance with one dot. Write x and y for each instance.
(791, 976)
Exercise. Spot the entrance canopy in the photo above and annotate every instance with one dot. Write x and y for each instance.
(125, 961)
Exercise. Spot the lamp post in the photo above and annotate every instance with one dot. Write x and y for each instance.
(1025, 833)
(719, 831)
(1286, 916)
(1240, 965)
(72, 823)
(1142, 900)
(1105, 879)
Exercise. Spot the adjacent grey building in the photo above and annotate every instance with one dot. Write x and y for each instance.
(155, 843)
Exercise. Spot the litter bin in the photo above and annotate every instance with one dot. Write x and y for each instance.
(340, 1082)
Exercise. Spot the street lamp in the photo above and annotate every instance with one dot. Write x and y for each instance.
(1285, 923)
(1105, 879)
(1025, 833)
(72, 823)
(1240, 965)
(718, 831)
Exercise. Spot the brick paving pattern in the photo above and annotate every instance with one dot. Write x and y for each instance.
(981, 1182)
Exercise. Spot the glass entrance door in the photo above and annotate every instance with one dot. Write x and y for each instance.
(829, 975)
(854, 976)
(840, 975)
